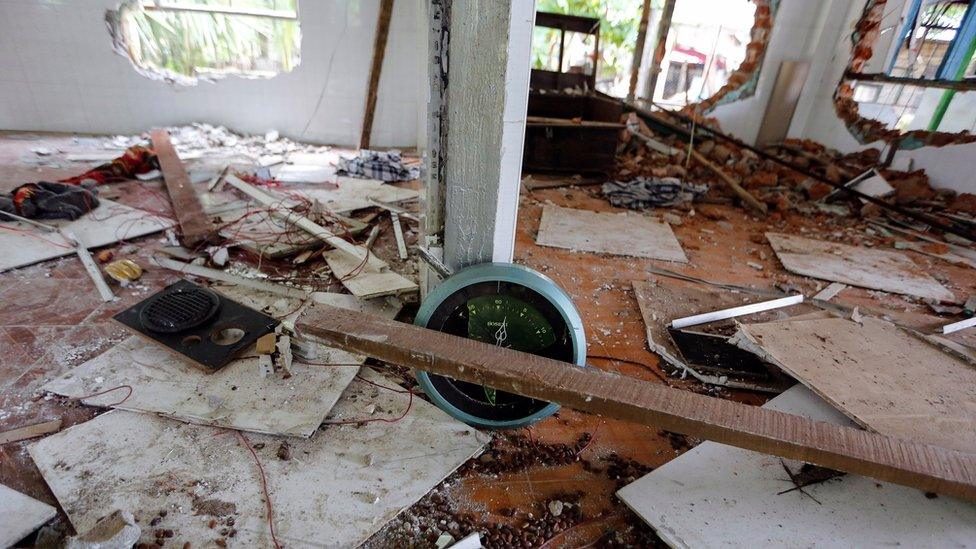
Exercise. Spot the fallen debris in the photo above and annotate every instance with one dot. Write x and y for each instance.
(363, 283)
(208, 472)
(109, 223)
(658, 305)
(742, 310)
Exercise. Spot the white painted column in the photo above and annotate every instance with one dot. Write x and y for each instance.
(486, 97)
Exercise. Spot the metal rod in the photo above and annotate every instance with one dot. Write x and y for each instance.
(736, 311)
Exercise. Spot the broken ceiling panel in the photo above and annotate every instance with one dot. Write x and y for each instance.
(872, 371)
(333, 490)
(20, 515)
(355, 194)
(858, 266)
(110, 222)
(617, 234)
(717, 495)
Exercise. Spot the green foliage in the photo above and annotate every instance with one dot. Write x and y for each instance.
(191, 44)
(619, 21)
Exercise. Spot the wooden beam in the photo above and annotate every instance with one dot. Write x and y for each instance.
(664, 26)
(928, 468)
(379, 52)
(635, 65)
(195, 226)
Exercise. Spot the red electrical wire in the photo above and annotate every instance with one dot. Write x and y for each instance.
(129, 387)
(264, 486)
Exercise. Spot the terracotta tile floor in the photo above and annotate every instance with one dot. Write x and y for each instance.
(52, 320)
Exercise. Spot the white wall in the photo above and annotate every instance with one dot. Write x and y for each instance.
(58, 72)
(794, 24)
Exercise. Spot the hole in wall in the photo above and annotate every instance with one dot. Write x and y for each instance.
(185, 41)
(910, 79)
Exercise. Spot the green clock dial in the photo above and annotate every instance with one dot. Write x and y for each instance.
(509, 306)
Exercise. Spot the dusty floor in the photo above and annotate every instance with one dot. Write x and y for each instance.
(53, 320)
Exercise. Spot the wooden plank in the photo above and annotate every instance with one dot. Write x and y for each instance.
(745, 489)
(195, 226)
(338, 487)
(375, 70)
(878, 374)
(858, 266)
(20, 515)
(588, 389)
(619, 234)
(30, 431)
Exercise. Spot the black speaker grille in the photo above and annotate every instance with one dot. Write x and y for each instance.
(179, 310)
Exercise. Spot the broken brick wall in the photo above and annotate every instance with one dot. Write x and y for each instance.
(867, 130)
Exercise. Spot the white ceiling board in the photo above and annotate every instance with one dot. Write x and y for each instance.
(366, 283)
(617, 234)
(20, 515)
(719, 496)
(858, 266)
(338, 488)
(236, 396)
(355, 194)
(110, 222)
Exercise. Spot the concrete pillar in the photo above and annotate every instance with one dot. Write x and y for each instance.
(480, 119)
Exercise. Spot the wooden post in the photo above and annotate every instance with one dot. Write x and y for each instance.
(379, 51)
(589, 389)
(662, 40)
(639, 50)
(195, 226)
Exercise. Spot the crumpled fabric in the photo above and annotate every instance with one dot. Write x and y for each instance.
(135, 160)
(47, 200)
(382, 165)
(646, 192)
(75, 196)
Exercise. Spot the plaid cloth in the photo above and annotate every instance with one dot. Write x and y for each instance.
(385, 166)
(643, 192)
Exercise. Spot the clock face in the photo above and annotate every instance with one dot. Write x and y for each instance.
(507, 315)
